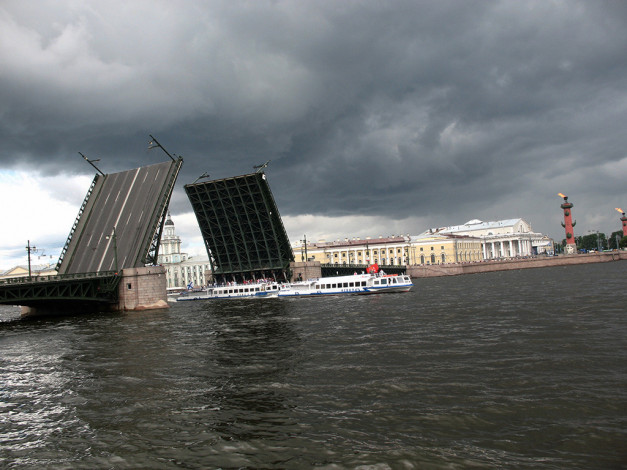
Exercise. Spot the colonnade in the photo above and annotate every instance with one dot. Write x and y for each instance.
(506, 248)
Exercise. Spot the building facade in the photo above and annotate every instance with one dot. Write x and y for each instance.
(35, 271)
(392, 251)
(401, 250)
(510, 238)
(182, 270)
(436, 248)
(473, 241)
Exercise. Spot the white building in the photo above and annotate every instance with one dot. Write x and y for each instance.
(181, 269)
(508, 238)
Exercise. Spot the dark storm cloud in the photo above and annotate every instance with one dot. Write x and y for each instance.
(446, 110)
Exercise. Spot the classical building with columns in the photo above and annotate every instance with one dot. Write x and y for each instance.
(471, 242)
(181, 270)
(432, 247)
(508, 238)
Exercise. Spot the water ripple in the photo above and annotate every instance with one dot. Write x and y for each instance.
(524, 369)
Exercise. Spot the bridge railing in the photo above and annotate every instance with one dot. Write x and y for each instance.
(56, 277)
(98, 287)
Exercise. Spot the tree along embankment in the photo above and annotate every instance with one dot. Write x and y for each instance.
(435, 270)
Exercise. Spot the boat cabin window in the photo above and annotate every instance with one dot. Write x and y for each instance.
(334, 286)
(363, 283)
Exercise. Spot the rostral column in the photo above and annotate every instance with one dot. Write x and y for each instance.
(623, 219)
(568, 224)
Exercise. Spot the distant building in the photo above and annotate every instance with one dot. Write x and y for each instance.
(508, 238)
(391, 250)
(471, 242)
(36, 270)
(444, 248)
(181, 270)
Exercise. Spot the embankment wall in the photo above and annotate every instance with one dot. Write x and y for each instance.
(436, 270)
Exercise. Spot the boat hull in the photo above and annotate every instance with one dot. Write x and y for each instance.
(243, 291)
(358, 284)
(259, 295)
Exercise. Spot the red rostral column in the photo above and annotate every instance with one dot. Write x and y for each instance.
(568, 224)
(623, 219)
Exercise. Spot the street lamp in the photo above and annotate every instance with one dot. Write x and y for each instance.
(30, 249)
(304, 243)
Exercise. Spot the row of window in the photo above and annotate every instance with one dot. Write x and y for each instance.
(239, 290)
(373, 252)
(243, 290)
(391, 262)
(340, 285)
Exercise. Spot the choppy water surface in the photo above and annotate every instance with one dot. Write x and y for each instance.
(520, 369)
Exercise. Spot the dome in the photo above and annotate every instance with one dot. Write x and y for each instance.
(168, 221)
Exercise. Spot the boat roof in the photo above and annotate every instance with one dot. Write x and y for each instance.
(349, 277)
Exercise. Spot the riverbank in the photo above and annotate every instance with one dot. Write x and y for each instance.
(436, 270)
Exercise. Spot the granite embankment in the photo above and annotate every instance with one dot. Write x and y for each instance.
(435, 270)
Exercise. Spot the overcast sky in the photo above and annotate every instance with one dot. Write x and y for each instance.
(379, 117)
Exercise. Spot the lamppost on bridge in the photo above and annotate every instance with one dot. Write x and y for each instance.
(30, 249)
(154, 143)
(304, 243)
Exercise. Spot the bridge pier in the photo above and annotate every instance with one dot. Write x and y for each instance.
(302, 270)
(142, 289)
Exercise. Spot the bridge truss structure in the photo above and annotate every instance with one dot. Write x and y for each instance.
(242, 229)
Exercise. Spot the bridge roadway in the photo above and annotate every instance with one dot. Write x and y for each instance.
(120, 219)
(118, 226)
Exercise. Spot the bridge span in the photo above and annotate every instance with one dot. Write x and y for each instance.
(118, 227)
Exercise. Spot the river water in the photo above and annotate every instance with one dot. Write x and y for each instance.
(520, 369)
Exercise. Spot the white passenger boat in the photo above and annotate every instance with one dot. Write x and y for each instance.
(355, 284)
(262, 289)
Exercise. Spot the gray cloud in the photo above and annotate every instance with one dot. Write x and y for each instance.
(444, 110)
